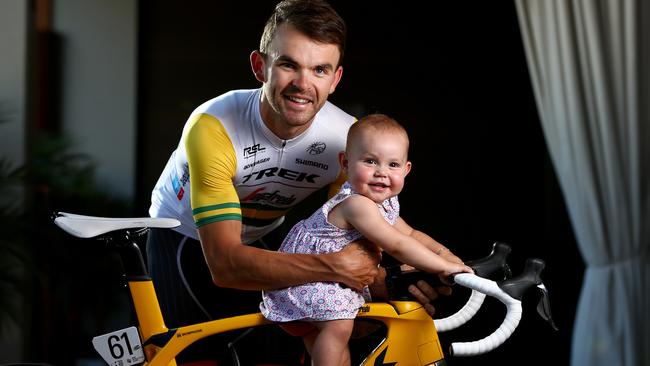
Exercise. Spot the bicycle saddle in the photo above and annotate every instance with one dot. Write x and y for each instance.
(83, 226)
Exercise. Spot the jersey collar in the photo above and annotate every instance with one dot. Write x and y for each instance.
(273, 138)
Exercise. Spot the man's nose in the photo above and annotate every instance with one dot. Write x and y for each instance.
(301, 80)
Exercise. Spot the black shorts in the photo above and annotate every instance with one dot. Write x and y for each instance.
(187, 295)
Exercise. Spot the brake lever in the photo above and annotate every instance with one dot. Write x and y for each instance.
(517, 286)
(495, 262)
(544, 306)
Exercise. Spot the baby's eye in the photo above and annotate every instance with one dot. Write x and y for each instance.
(394, 165)
(370, 161)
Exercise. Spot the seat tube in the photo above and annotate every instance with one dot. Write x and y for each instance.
(143, 294)
(147, 308)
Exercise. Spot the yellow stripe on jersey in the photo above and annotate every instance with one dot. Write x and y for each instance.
(213, 163)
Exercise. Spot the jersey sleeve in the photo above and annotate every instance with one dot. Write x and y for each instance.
(212, 163)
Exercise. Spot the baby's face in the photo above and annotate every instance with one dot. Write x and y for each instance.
(377, 164)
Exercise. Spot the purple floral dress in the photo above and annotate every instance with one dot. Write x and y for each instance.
(320, 300)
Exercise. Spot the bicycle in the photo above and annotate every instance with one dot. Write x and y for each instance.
(408, 335)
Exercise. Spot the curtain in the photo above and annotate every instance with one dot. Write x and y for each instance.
(589, 65)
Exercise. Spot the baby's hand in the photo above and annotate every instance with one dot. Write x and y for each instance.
(452, 269)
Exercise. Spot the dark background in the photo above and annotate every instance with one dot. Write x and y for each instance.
(453, 73)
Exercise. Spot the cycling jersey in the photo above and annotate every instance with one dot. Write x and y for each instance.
(230, 166)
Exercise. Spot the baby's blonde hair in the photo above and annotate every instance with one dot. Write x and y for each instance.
(375, 122)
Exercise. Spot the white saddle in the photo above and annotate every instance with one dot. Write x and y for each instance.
(83, 226)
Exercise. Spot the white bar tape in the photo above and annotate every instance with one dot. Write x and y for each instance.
(505, 330)
(463, 315)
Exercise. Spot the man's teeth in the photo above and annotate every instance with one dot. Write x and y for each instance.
(298, 100)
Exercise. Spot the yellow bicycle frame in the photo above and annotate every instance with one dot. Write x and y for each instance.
(411, 339)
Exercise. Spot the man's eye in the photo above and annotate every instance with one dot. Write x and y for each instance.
(321, 70)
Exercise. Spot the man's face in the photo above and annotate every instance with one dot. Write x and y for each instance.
(298, 75)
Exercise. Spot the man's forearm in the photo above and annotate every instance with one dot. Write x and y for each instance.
(250, 268)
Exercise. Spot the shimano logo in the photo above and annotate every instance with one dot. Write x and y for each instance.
(252, 150)
(316, 148)
(312, 163)
(281, 173)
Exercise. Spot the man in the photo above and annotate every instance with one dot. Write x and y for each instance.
(244, 159)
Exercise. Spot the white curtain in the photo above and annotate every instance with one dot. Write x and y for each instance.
(589, 64)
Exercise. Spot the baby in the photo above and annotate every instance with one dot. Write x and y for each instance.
(376, 163)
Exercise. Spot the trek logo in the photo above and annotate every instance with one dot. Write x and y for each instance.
(316, 148)
(252, 150)
(282, 173)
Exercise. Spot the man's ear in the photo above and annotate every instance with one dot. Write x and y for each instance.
(343, 161)
(338, 74)
(258, 64)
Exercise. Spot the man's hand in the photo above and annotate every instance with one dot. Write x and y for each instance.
(425, 293)
(357, 264)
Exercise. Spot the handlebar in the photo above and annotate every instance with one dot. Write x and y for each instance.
(507, 327)
(509, 291)
(484, 267)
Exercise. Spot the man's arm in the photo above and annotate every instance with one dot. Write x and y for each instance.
(233, 264)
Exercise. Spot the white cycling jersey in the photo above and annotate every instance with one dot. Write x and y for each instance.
(230, 166)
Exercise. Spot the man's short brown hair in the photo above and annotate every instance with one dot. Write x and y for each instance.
(314, 18)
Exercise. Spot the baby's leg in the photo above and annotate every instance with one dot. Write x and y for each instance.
(328, 344)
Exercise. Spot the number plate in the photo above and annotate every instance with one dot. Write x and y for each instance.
(120, 348)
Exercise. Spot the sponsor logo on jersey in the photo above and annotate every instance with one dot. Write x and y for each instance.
(316, 148)
(256, 162)
(178, 184)
(177, 188)
(252, 150)
(312, 163)
(283, 173)
(269, 197)
(186, 174)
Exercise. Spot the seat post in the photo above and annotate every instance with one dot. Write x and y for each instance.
(140, 284)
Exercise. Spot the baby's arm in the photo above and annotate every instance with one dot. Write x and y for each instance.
(363, 214)
(427, 241)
